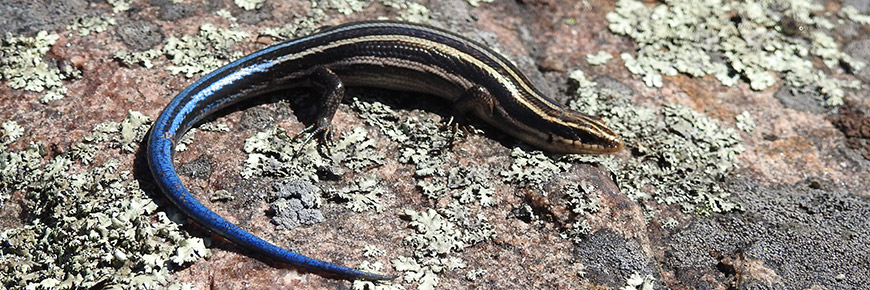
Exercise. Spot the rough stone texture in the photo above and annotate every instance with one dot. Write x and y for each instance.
(803, 190)
(140, 34)
(199, 168)
(802, 100)
(27, 17)
(860, 49)
(610, 257)
(173, 11)
(790, 237)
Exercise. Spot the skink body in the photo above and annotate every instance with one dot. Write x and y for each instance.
(383, 54)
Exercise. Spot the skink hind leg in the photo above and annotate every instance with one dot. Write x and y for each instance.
(333, 92)
(475, 100)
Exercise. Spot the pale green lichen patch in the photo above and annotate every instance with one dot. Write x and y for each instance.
(639, 282)
(538, 171)
(475, 227)
(599, 58)
(120, 5)
(223, 13)
(476, 3)
(84, 25)
(88, 227)
(185, 140)
(435, 238)
(190, 55)
(852, 13)
(680, 155)
(132, 131)
(209, 49)
(214, 127)
(470, 185)
(274, 153)
(372, 251)
(409, 11)
(346, 7)
(760, 41)
(249, 4)
(582, 199)
(298, 26)
(438, 236)
(271, 154)
(364, 194)
(23, 65)
(424, 144)
(125, 136)
(745, 122)
(143, 58)
(474, 275)
(11, 132)
(427, 146)
(376, 267)
(532, 169)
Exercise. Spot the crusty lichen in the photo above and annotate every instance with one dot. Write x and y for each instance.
(745, 122)
(204, 52)
(275, 153)
(422, 143)
(639, 282)
(122, 135)
(409, 11)
(191, 55)
(11, 132)
(298, 26)
(770, 40)
(435, 238)
(346, 7)
(142, 58)
(375, 267)
(295, 203)
(23, 65)
(680, 155)
(85, 24)
(88, 227)
(249, 4)
(476, 3)
(364, 194)
(120, 5)
(852, 13)
(600, 58)
(532, 169)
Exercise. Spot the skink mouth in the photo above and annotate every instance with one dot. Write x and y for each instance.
(592, 148)
(574, 146)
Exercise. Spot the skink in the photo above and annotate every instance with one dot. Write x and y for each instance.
(383, 54)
